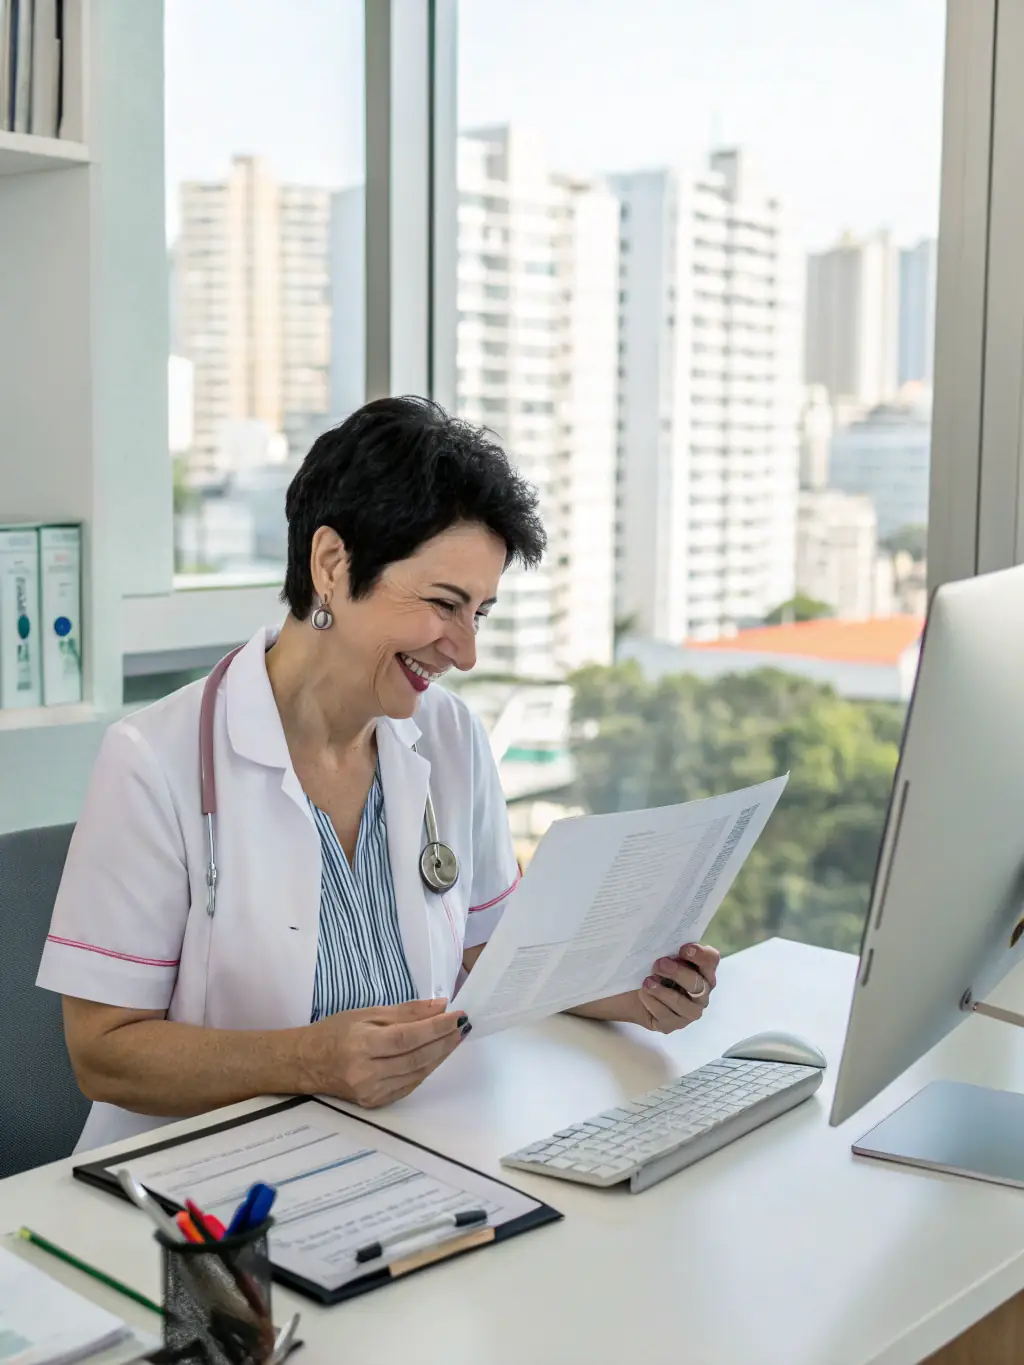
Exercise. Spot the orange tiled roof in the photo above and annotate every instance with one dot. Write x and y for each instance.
(880, 640)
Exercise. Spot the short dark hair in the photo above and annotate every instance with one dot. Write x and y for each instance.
(396, 473)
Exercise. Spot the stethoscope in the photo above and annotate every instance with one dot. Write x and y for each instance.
(439, 867)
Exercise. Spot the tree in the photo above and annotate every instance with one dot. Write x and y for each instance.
(912, 539)
(639, 743)
(186, 498)
(798, 608)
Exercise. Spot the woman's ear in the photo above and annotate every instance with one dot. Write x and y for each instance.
(328, 564)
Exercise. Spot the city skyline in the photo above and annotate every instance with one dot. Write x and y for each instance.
(868, 158)
(634, 341)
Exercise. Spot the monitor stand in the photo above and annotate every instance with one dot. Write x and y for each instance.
(960, 1129)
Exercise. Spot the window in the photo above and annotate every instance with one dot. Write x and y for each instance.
(264, 158)
(787, 263)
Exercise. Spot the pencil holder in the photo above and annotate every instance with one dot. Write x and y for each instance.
(217, 1300)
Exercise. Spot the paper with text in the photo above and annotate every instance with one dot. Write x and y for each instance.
(340, 1185)
(604, 896)
(42, 1322)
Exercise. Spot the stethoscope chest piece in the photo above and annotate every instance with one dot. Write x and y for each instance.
(439, 867)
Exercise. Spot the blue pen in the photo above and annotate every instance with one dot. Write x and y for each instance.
(253, 1209)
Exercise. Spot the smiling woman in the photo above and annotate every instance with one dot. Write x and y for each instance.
(327, 960)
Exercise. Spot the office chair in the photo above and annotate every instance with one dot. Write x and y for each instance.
(42, 1109)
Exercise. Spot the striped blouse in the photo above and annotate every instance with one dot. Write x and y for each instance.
(360, 959)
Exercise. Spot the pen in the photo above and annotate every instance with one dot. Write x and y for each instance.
(466, 1219)
(253, 1210)
(27, 1235)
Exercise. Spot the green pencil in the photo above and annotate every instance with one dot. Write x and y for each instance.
(27, 1235)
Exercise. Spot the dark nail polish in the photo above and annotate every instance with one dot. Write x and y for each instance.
(466, 1029)
(462, 1021)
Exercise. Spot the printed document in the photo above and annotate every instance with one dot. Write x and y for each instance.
(606, 895)
(341, 1184)
(43, 1323)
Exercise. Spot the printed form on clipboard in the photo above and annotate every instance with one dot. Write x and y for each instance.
(342, 1182)
(604, 897)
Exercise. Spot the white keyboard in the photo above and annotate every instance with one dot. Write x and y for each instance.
(659, 1133)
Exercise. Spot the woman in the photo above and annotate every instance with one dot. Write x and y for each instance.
(326, 963)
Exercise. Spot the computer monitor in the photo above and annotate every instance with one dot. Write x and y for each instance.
(946, 916)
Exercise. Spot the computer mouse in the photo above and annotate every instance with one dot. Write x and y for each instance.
(777, 1047)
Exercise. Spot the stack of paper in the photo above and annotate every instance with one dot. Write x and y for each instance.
(42, 1323)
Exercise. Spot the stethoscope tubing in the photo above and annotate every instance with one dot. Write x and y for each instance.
(439, 871)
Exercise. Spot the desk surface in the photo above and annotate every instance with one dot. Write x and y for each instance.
(782, 1249)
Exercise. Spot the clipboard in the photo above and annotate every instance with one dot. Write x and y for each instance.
(101, 1175)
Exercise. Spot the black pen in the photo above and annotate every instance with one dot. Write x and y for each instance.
(466, 1219)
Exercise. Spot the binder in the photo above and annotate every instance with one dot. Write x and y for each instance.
(45, 69)
(60, 590)
(5, 65)
(20, 671)
(21, 71)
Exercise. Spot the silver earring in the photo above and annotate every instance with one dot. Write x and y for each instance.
(321, 618)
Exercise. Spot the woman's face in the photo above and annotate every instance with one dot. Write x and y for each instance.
(421, 618)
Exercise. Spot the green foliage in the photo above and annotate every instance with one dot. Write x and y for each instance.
(798, 608)
(651, 744)
(186, 498)
(913, 539)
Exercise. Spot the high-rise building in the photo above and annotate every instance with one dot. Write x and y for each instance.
(536, 360)
(253, 305)
(852, 331)
(348, 302)
(817, 422)
(709, 400)
(837, 553)
(885, 456)
(305, 226)
(917, 312)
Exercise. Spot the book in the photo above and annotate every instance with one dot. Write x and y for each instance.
(21, 69)
(72, 93)
(43, 1323)
(5, 65)
(60, 592)
(20, 672)
(45, 69)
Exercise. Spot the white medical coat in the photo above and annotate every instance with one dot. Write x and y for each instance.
(130, 926)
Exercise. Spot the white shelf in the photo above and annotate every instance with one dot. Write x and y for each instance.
(78, 713)
(21, 153)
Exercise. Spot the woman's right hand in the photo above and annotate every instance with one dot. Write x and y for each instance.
(372, 1057)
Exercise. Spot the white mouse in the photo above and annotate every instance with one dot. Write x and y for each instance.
(777, 1047)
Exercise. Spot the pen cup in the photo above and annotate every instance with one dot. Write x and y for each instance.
(217, 1299)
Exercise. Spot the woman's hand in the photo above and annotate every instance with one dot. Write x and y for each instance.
(678, 992)
(674, 995)
(375, 1056)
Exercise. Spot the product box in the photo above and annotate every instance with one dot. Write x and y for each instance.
(60, 591)
(20, 653)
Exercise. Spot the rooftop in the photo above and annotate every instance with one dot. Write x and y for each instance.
(879, 640)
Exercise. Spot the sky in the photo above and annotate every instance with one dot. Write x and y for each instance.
(839, 103)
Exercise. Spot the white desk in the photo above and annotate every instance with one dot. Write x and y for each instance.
(780, 1250)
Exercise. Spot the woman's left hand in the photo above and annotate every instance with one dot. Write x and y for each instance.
(678, 991)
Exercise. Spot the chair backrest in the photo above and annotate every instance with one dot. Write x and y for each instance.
(42, 1109)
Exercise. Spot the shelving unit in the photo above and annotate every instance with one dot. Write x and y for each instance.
(21, 154)
(30, 717)
(83, 371)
